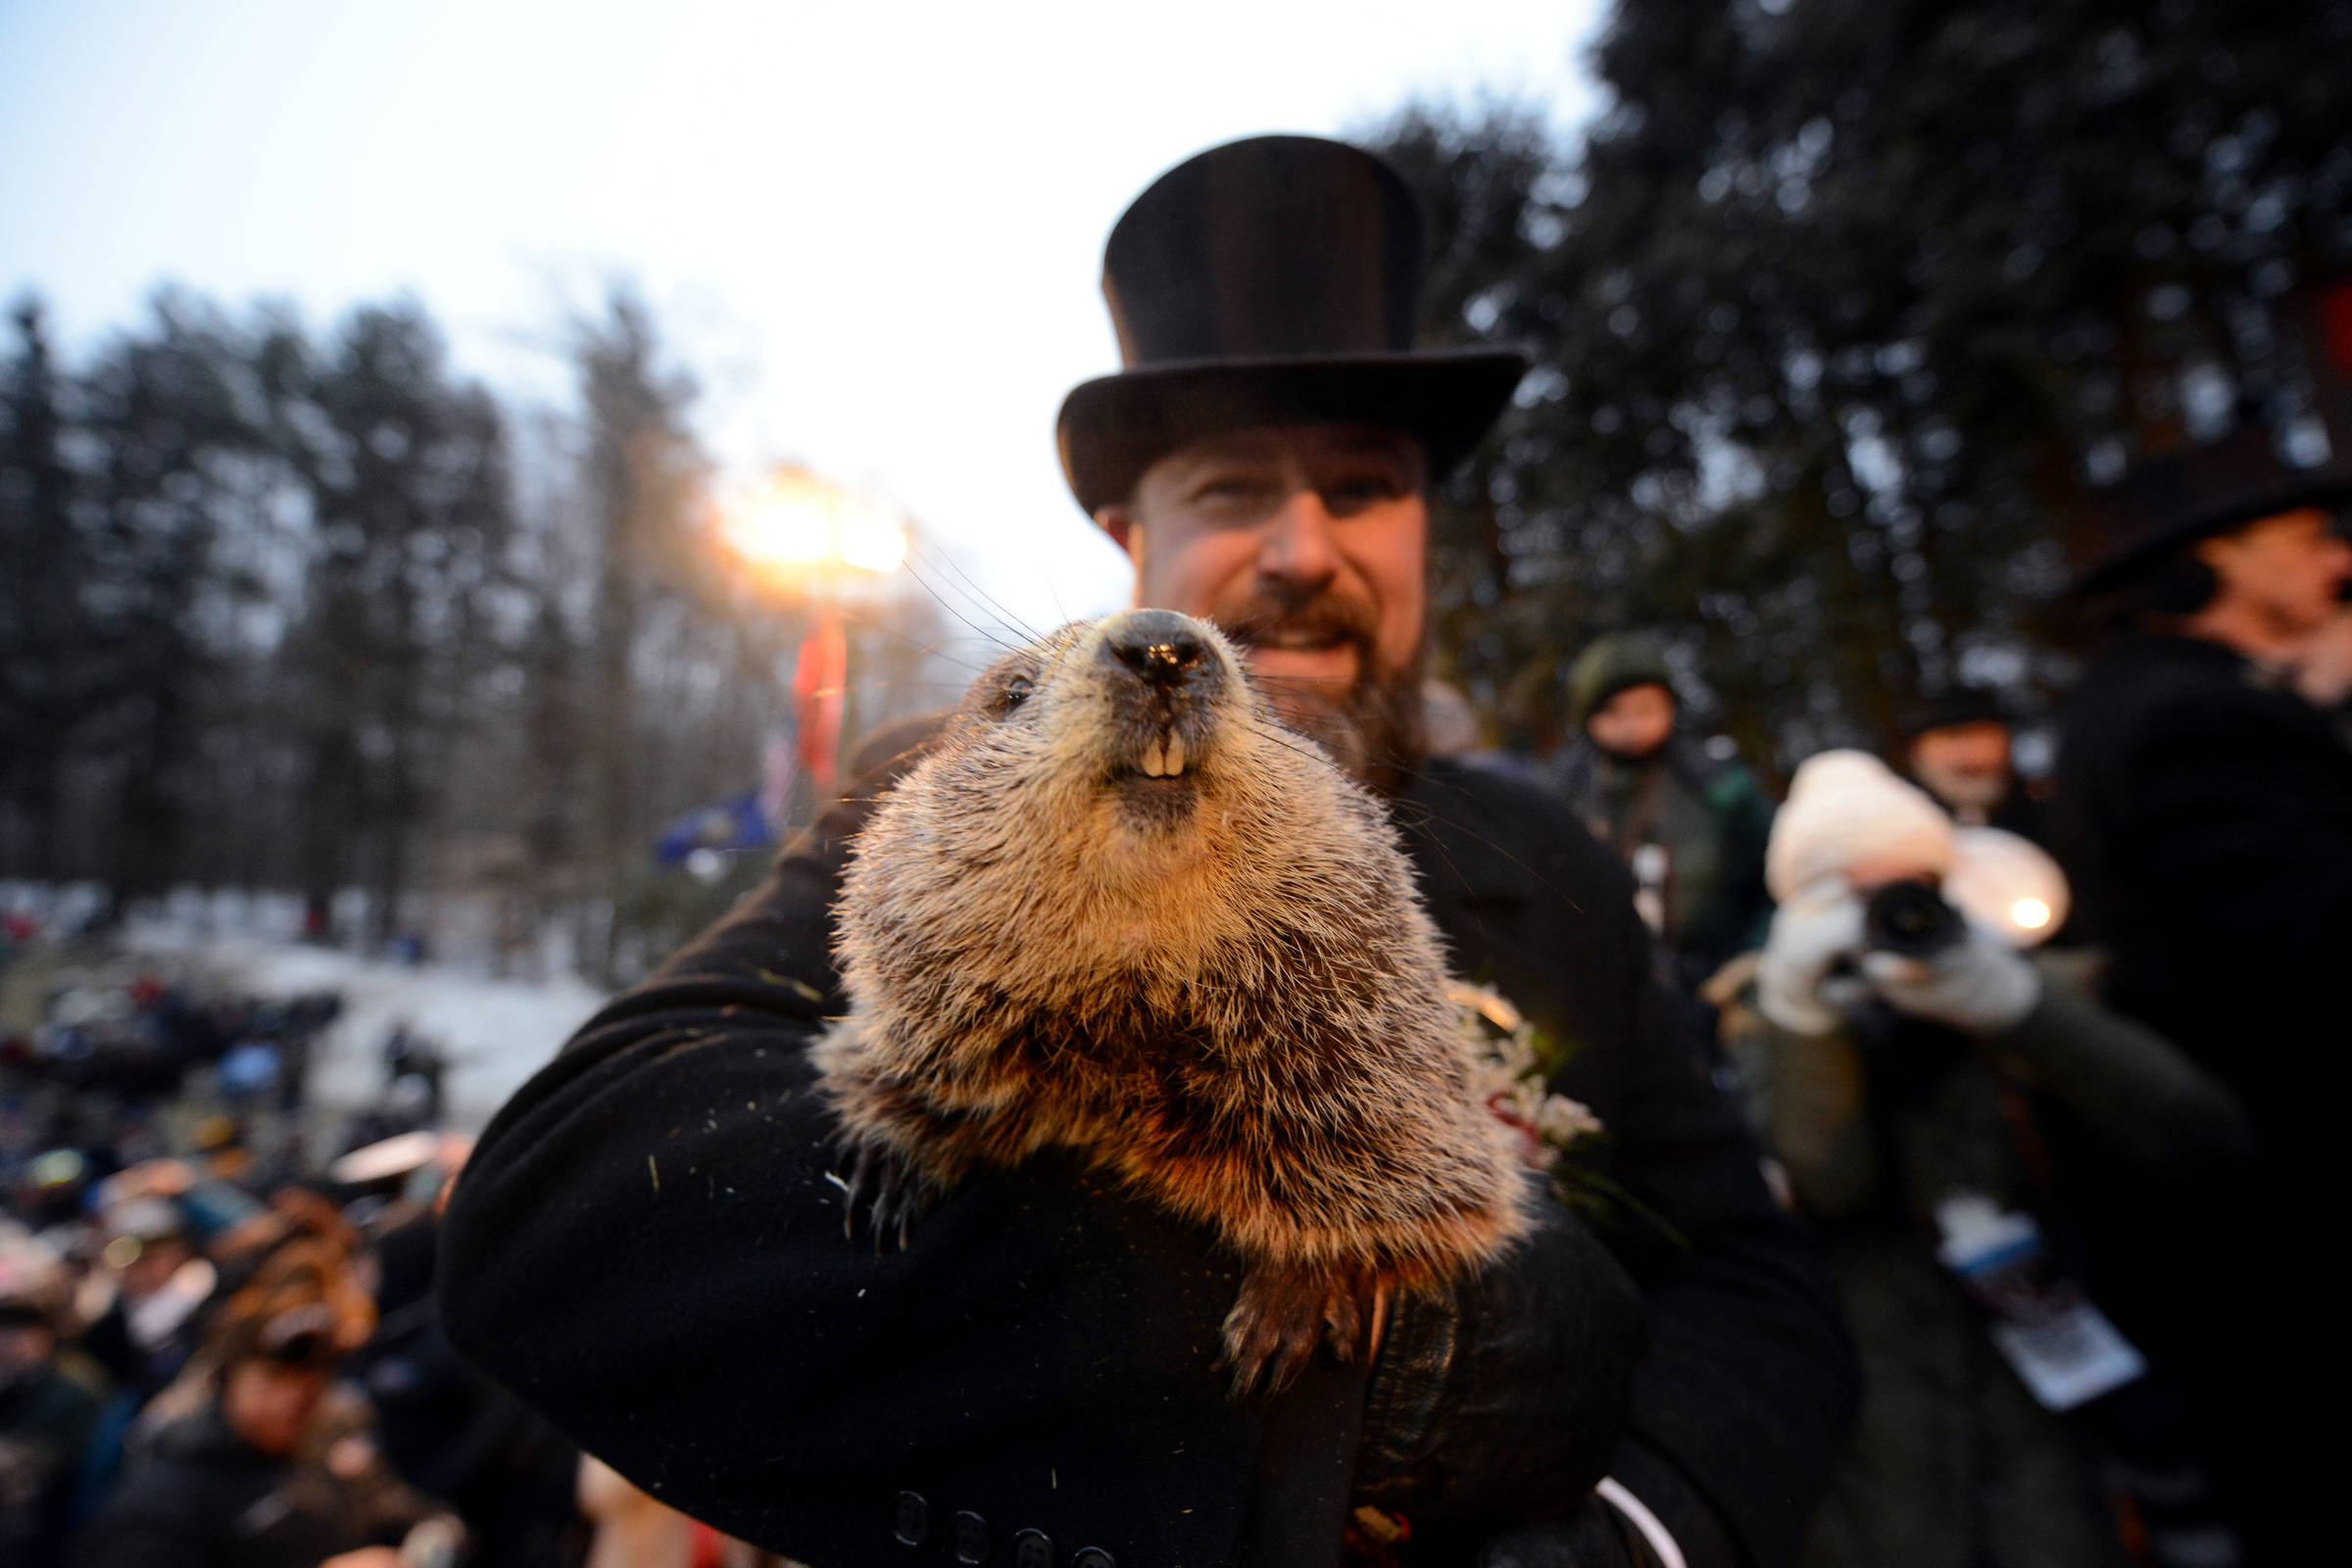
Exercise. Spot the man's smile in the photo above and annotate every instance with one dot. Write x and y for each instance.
(1317, 657)
(1327, 642)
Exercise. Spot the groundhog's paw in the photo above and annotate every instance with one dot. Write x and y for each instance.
(1282, 1313)
(881, 1186)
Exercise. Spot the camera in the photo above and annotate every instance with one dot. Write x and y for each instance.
(1912, 919)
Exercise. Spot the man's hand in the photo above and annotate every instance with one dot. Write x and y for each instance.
(1503, 1396)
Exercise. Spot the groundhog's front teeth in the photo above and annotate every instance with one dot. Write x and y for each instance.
(1164, 756)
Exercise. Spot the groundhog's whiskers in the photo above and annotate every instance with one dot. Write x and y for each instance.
(974, 595)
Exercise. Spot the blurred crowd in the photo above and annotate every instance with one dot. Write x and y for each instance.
(216, 1349)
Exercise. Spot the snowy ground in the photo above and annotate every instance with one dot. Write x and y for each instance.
(496, 1032)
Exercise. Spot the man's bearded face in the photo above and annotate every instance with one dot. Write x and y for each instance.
(1373, 723)
(1306, 544)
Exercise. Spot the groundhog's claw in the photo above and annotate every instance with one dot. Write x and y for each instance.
(1281, 1314)
(879, 1182)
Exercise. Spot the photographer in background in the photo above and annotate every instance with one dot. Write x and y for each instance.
(1900, 1053)
(2204, 808)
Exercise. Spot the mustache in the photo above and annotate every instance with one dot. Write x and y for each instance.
(1374, 730)
(1260, 621)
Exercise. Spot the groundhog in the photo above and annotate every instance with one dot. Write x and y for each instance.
(1121, 909)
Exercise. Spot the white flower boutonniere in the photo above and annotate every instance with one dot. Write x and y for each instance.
(1515, 1064)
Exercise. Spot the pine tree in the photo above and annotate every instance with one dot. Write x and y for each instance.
(41, 702)
(405, 472)
(1839, 309)
(163, 407)
(640, 472)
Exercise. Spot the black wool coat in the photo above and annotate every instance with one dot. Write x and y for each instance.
(648, 1246)
(455, 1434)
(2204, 811)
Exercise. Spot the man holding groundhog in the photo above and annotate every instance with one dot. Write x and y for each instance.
(648, 1243)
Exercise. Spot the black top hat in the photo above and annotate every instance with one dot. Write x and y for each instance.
(1270, 281)
(1953, 707)
(2174, 501)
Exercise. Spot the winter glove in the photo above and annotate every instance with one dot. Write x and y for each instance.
(1502, 1396)
(1799, 982)
(1980, 985)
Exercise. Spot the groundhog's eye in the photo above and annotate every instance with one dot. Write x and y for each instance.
(1016, 693)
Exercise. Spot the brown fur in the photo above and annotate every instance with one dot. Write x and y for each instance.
(1220, 987)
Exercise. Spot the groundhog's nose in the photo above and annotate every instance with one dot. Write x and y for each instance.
(1158, 645)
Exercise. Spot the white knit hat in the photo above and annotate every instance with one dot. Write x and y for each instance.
(1849, 815)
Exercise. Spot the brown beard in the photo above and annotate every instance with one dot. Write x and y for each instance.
(1375, 727)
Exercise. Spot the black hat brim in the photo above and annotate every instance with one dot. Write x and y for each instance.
(1112, 428)
(2122, 566)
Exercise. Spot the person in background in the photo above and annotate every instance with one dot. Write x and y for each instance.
(275, 1469)
(1452, 724)
(1453, 732)
(161, 1284)
(1903, 1076)
(1959, 750)
(48, 1416)
(2204, 809)
(1689, 826)
(2323, 671)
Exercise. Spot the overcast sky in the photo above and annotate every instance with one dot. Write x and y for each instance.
(874, 232)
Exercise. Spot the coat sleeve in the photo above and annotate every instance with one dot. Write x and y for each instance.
(2135, 1089)
(648, 1247)
(1740, 1407)
(1807, 1093)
